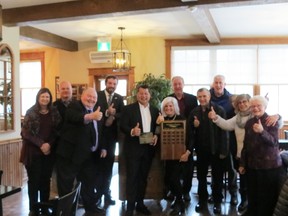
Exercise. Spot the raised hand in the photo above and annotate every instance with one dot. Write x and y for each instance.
(136, 130)
(111, 110)
(97, 114)
(160, 119)
(258, 127)
(196, 122)
(212, 114)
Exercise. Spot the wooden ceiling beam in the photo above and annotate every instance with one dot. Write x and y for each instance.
(94, 8)
(42, 37)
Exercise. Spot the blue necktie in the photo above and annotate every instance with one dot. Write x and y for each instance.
(95, 128)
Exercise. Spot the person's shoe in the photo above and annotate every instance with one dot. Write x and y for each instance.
(234, 199)
(210, 200)
(143, 209)
(217, 208)
(243, 206)
(109, 201)
(199, 207)
(187, 197)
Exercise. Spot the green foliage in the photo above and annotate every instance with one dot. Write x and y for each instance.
(159, 87)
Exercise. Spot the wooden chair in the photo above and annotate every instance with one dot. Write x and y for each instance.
(62, 206)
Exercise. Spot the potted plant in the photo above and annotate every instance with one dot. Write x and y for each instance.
(160, 87)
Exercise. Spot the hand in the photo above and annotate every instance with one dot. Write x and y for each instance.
(212, 114)
(258, 127)
(154, 140)
(111, 110)
(271, 120)
(160, 119)
(136, 131)
(103, 153)
(184, 157)
(45, 148)
(196, 122)
(97, 114)
(241, 170)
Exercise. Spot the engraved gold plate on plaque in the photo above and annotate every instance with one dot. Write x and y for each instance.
(173, 139)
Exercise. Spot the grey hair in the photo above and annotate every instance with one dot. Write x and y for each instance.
(239, 98)
(261, 99)
(173, 101)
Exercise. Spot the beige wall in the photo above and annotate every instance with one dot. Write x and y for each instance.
(147, 55)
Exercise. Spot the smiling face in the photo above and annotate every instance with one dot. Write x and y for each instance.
(257, 108)
(219, 85)
(178, 85)
(89, 98)
(44, 99)
(143, 96)
(203, 97)
(243, 105)
(111, 85)
(169, 109)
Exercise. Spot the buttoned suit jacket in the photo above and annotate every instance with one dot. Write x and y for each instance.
(77, 138)
(131, 115)
(117, 100)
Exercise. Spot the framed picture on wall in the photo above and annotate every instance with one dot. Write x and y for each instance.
(57, 82)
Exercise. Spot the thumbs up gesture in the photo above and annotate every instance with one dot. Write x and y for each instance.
(212, 114)
(111, 110)
(97, 114)
(196, 122)
(136, 131)
(160, 119)
(258, 127)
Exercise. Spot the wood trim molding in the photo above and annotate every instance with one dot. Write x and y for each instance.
(29, 56)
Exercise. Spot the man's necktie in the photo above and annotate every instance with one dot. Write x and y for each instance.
(109, 99)
(95, 131)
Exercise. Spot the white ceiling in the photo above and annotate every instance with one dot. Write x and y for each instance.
(256, 20)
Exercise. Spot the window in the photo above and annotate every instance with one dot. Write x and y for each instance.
(31, 65)
(244, 67)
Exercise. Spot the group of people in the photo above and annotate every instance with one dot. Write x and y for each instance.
(79, 137)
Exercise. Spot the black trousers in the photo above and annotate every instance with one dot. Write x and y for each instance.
(39, 174)
(105, 169)
(137, 170)
(67, 173)
(204, 160)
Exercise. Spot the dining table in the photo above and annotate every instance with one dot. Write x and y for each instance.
(6, 191)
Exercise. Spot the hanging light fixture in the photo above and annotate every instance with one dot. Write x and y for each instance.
(121, 57)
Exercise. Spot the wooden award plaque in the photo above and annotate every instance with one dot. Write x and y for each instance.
(173, 139)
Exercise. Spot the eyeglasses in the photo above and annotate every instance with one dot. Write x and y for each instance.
(258, 106)
(243, 101)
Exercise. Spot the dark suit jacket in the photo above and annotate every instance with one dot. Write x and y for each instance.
(130, 117)
(117, 100)
(77, 138)
(190, 102)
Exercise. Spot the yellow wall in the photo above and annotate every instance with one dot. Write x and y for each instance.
(147, 55)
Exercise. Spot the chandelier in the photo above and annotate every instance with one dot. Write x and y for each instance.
(121, 56)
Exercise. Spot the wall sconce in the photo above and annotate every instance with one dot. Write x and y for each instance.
(121, 57)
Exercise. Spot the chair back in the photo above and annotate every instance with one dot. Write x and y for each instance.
(67, 205)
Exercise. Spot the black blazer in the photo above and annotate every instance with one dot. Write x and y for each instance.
(77, 138)
(117, 100)
(190, 102)
(131, 115)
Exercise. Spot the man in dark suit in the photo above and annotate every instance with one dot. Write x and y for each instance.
(78, 149)
(138, 122)
(187, 102)
(111, 105)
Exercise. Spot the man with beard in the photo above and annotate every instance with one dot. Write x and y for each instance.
(111, 105)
